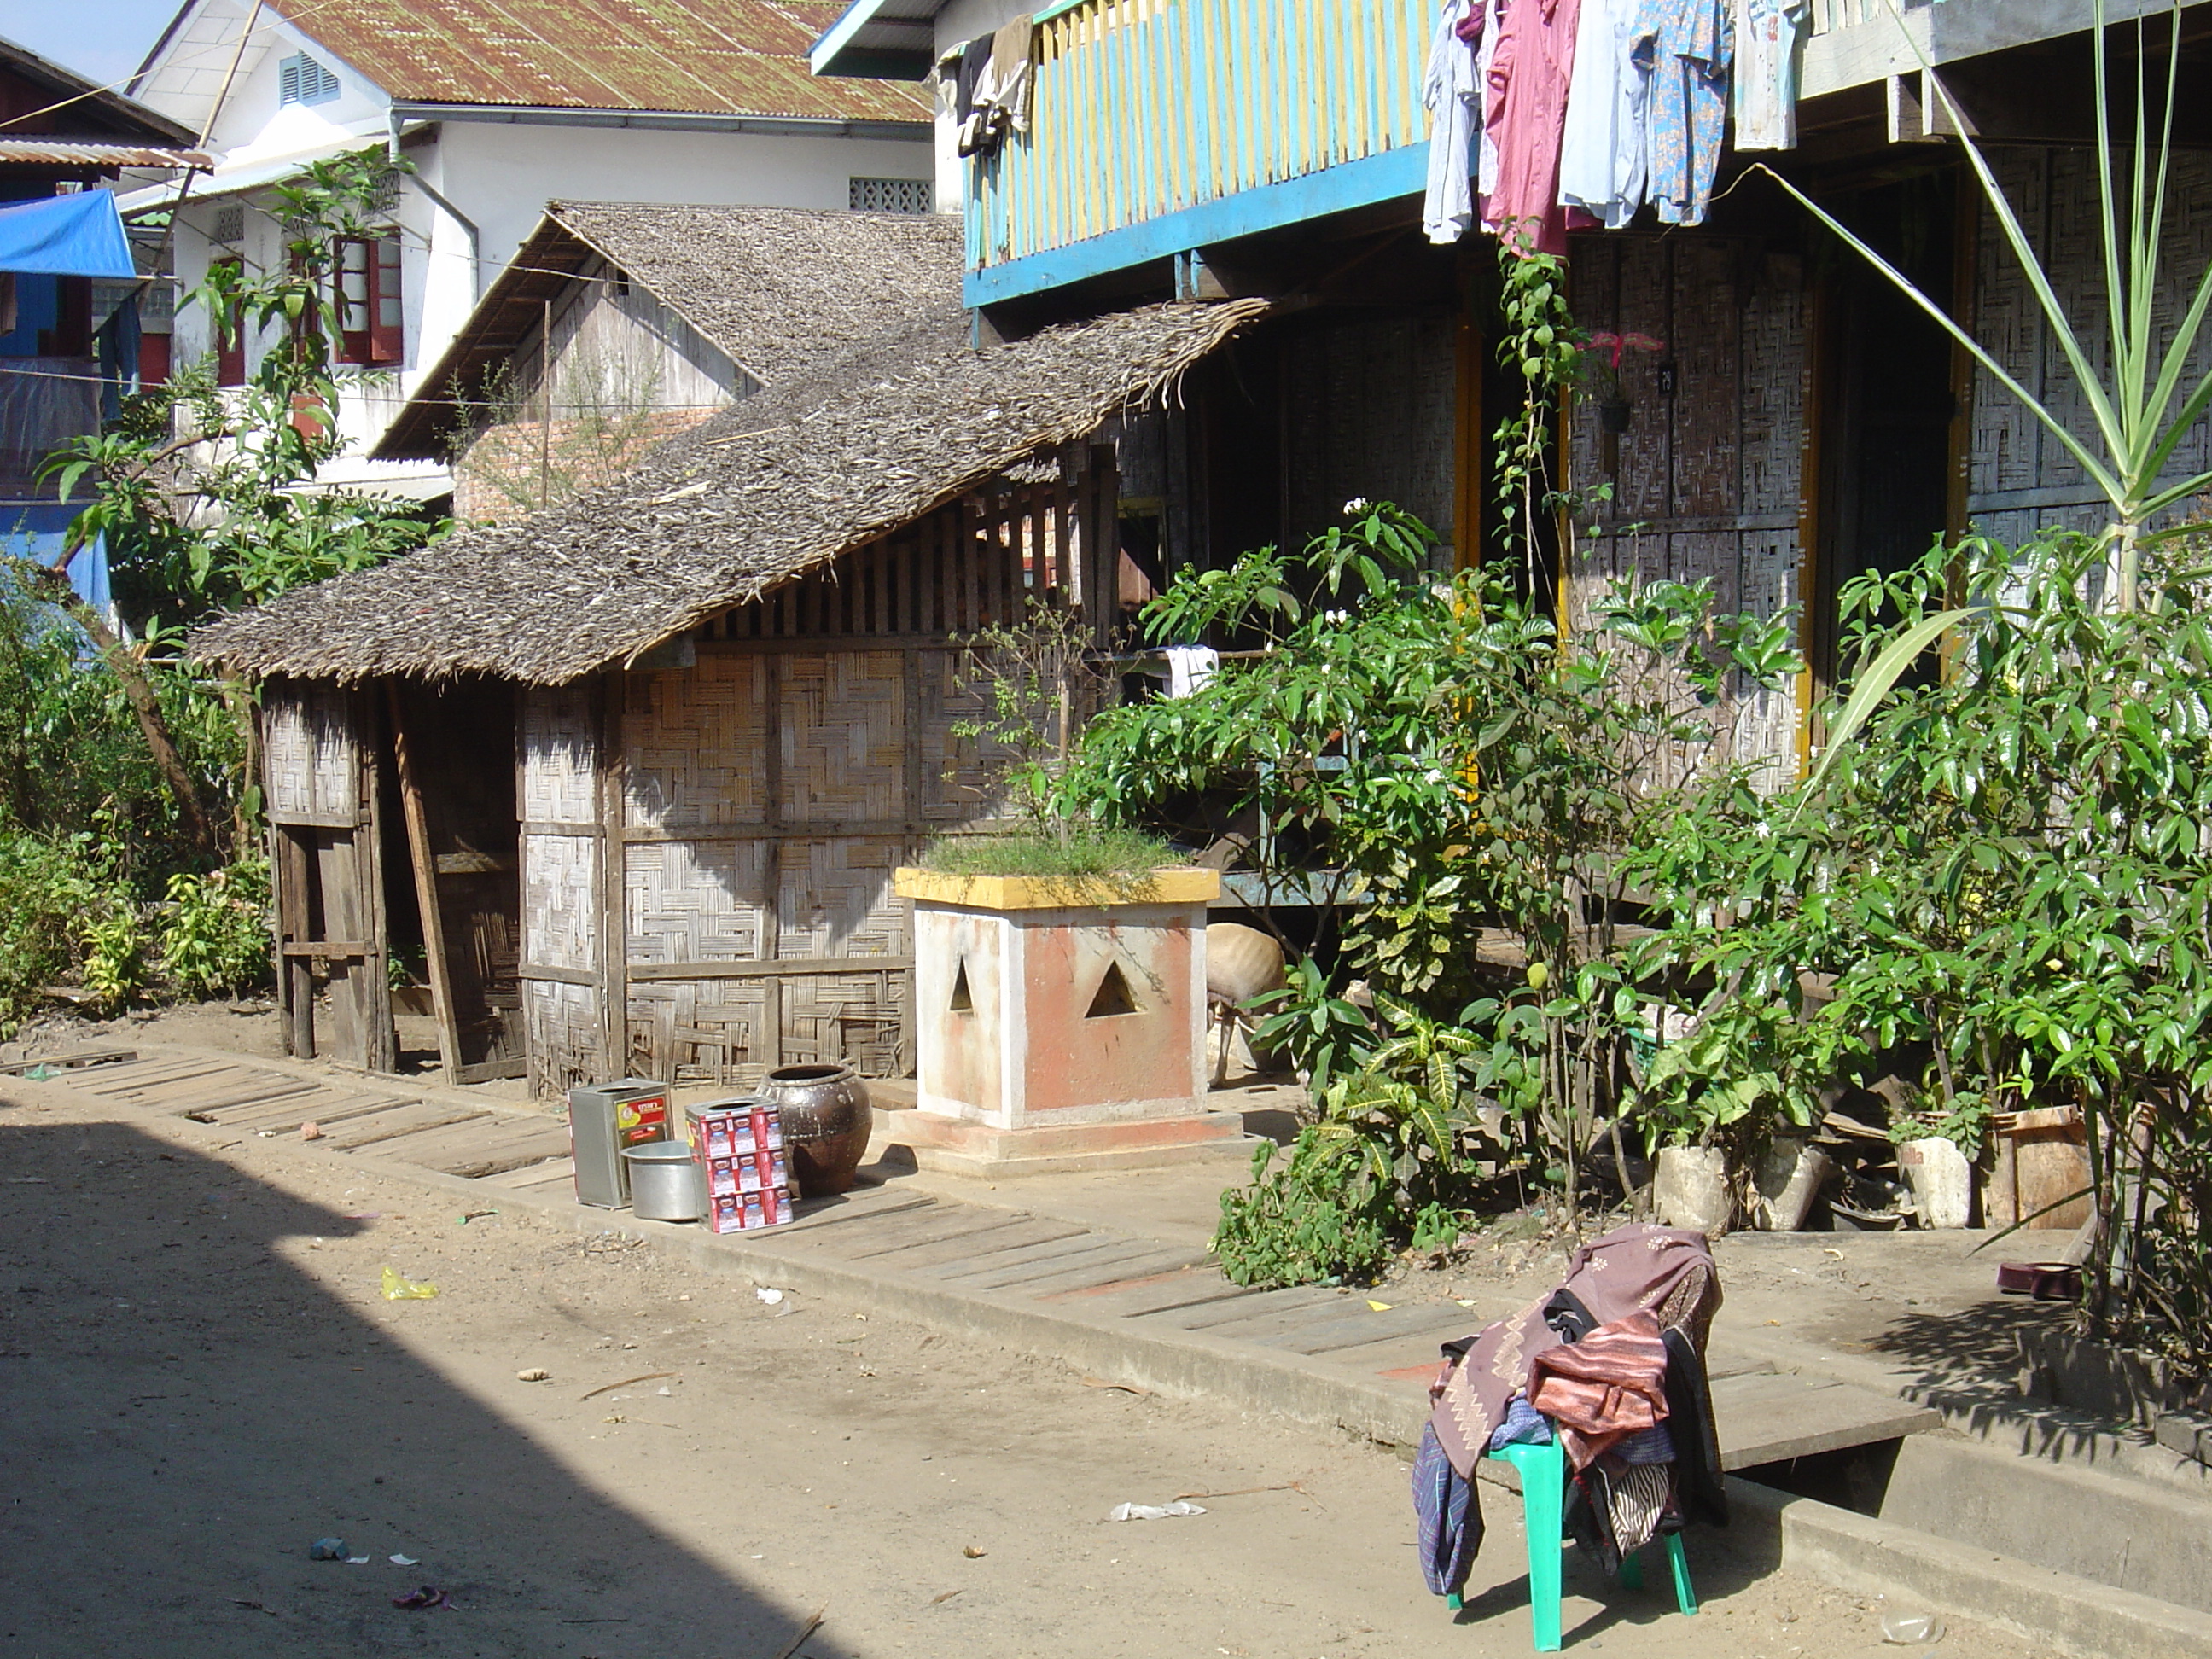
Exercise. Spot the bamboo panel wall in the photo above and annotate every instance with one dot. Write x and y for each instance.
(769, 790)
(1706, 482)
(311, 756)
(564, 963)
(2021, 478)
(1368, 402)
(1142, 107)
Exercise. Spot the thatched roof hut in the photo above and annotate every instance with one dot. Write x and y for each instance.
(765, 290)
(782, 484)
(732, 681)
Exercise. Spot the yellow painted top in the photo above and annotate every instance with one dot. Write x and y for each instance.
(1180, 885)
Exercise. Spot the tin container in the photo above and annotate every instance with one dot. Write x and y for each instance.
(666, 1181)
(603, 1120)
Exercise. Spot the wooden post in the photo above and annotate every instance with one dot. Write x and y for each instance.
(426, 891)
(545, 415)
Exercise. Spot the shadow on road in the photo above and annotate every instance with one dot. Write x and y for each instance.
(187, 1412)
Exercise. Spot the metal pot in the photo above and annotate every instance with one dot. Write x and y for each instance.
(666, 1181)
(827, 1120)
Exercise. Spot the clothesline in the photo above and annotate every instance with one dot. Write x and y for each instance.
(1547, 116)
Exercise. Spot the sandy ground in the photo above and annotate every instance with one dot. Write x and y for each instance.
(200, 1378)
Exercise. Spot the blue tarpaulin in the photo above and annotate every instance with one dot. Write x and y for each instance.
(79, 235)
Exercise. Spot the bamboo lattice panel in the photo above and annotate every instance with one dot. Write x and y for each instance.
(561, 889)
(770, 789)
(311, 761)
(1708, 482)
(695, 901)
(2022, 479)
(694, 745)
(1371, 400)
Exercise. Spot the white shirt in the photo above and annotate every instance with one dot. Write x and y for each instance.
(1450, 92)
(1603, 152)
(1767, 33)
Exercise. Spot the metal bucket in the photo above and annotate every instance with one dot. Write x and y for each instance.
(666, 1182)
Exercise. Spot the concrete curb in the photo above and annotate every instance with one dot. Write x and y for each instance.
(2054, 1609)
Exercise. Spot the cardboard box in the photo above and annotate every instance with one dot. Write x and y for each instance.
(745, 1211)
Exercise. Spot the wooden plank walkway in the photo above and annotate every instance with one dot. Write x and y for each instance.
(1051, 1264)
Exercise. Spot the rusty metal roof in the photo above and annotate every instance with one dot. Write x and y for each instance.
(76, 152)
(743, 57)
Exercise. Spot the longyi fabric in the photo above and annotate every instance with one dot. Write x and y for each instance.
(1600, 1390)
(1449, 1519)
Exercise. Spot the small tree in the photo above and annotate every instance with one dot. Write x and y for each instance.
(208, 493)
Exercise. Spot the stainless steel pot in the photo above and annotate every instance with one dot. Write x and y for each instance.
(666, 1181)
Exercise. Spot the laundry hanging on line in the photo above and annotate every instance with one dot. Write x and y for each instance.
(1587, 110)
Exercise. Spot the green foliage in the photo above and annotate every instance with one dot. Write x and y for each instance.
(198, 488)
(59, 904)
(1325, 1036)
(2010, 864)
(215, 929)
(113, 964)
(1038, 681)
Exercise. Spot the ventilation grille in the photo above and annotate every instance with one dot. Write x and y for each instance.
(301, 80)
(891, 196)
(230, 224)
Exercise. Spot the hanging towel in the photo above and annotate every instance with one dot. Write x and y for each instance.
(1768, 33)
(1450, 92)
(1684, 45)
(1189, 667)
(1525, 111)
(1601, 157)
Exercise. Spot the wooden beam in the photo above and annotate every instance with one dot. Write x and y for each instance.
(426, 891)
(790, 968)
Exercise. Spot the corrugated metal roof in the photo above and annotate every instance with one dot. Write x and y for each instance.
(71, 152)
(709, 57)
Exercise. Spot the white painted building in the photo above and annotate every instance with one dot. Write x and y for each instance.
(500, 109)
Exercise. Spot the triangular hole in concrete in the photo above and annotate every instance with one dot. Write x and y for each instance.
(1113, 995)
(963, 1000)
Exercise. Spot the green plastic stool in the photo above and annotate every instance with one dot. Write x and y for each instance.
(1543, 1471)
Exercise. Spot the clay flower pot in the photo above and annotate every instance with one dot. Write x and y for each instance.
(1614, 414)
(827, 1119)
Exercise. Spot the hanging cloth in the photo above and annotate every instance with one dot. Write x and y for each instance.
(77, 235)
(999, 97)
(1525, 112)
(1684, 45)
(1768, 34)
(1451, 93)
(1602, 154)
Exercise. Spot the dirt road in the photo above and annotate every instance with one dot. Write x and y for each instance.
(201, 1379)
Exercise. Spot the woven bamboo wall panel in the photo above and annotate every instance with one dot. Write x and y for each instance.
(834, 898)
(694, 744)
(1772, 432)
(2054, 192)
(1704, 345)
(311, 755)
(963, 779)
(843, 729)
(856, 1018)
(561, 901)
(566, 1042)
(695, 901)
(560, 754)
(1711, 476)
(1371, 397)
(706, 1032)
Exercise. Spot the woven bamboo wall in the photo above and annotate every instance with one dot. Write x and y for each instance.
(768, 789)
(1369, 399)
(1708, 478)
(563, 898)
(2022, 478)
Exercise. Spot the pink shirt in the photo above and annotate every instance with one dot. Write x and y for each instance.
(1524, 113)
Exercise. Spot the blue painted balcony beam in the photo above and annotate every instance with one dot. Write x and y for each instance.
(1394, 174)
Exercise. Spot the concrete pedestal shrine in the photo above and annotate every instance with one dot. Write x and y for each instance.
(1059, 1023)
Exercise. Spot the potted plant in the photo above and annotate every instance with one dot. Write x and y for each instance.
(1601, 362)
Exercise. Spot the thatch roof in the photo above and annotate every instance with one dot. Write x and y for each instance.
(780, 484)
(772, 289)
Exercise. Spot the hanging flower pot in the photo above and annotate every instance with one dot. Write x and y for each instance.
(1612, 414)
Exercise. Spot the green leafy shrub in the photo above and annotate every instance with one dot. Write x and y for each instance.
(55, 895)
(1089, 850)
(213, 931)
(113, 965)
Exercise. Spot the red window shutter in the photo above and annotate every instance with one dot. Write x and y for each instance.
(387, 325)
(354, 270)
(230, 343)
(153, 360)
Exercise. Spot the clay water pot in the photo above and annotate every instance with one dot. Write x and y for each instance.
(827, 1120)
